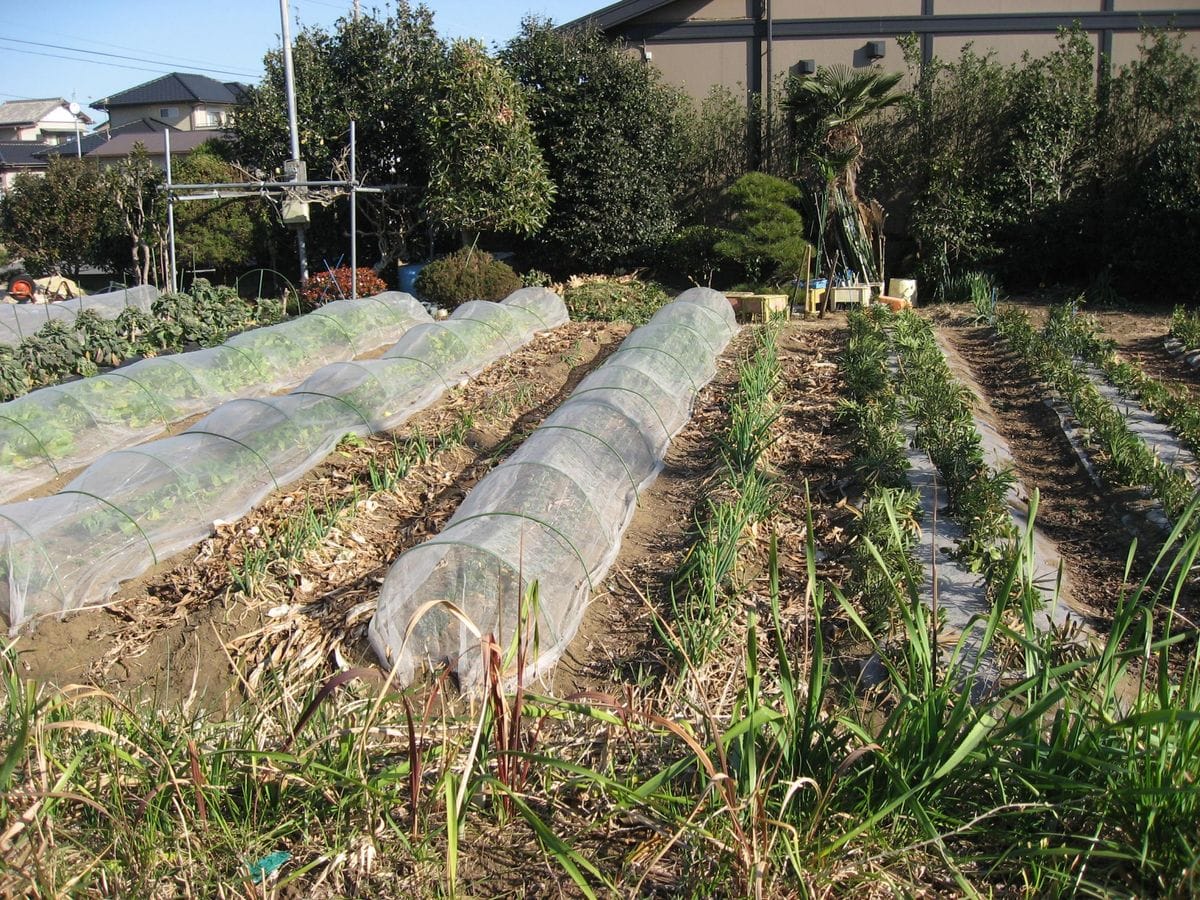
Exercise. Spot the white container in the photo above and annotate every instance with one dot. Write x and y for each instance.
(904, 288)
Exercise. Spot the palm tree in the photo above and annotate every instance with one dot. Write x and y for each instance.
(826, 112)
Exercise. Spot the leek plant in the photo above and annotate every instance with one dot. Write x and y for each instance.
(699, 590)
(941, 407)
(1185, 327)
(1080, 335)
(1127, 459)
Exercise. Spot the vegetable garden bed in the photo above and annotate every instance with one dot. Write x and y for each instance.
(54, 430)
(723, 666)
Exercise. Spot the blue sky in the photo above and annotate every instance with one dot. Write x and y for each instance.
(116, 44)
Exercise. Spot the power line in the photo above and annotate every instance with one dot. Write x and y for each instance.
(93, 62)
(122, 56)
(88, 40)
(341, 6)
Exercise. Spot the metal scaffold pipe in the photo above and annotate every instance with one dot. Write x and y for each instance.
(289, 80)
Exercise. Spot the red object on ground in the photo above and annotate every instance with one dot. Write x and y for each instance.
(21, 288)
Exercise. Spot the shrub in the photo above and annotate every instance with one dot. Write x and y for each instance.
(467, 274)
(691, 256)
(608, 127)
(766, 233)
(324, 287)
(536, 278)
(605, 299)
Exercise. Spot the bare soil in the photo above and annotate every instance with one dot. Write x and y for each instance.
(1140, 337)
(183, 633)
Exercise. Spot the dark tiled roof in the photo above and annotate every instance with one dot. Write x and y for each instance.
(22, 154)
(178, 87)
(123, 144)
(91, 141)
(617, 13)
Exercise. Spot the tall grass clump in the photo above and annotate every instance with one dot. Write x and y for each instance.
(1076, 773)
(974, 287)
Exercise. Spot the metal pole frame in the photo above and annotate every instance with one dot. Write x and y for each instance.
(170, 211)
(289, 80)
(353, 211)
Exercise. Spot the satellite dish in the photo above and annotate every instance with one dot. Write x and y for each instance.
(73, 108)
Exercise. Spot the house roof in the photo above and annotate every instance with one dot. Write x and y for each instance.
(21, 155)
(90, 142)
(30, 112)
(177, 87)
(122, 144)
(617, 13)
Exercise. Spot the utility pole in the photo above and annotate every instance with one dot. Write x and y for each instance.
(357, 10)
(297, 166)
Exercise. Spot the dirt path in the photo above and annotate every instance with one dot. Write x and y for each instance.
(178, 631)
(1082, 521)
(1140, 338)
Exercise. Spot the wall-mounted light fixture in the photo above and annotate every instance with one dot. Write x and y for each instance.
(806, 67)
(876, 49)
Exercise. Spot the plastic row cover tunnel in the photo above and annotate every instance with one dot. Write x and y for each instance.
(56, 429)
(554, 512)
(18, 322)
(134, 507)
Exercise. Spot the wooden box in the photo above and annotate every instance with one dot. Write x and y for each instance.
(761, 307)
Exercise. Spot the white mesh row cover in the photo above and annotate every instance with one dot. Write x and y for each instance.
(19, 321)
(55, 429)
(554, 512)
(134, 507)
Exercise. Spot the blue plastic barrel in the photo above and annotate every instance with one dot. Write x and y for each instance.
(408, 276)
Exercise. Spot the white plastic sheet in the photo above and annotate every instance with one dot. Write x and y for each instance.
(57, 429)
(133, 508)
(22, 320)
(554, 512)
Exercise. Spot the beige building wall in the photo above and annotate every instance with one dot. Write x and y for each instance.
(1008, 48)
(1125, 47)
(841, 9)
(180, 115)
(1155, 5)
(830, 51)
(696, 67)
(729, 55)
(700, 9)
(977, 7)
